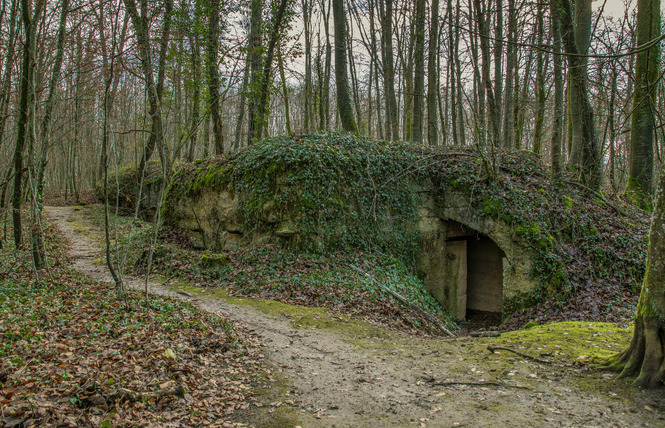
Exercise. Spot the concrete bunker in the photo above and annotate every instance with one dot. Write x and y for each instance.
(464, 271)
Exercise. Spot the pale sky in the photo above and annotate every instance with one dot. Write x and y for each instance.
(613, 7)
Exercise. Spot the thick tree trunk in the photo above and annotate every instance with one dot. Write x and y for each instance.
(647, 70)
(644, 359)
(23, 132)
(254, 59)
(582, 36)
(344, 104)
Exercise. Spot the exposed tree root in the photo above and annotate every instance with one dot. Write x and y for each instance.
(645, 358)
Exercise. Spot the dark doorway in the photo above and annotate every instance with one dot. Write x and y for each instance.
(475, 275)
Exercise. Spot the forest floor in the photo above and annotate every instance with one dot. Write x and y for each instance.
(320, 369)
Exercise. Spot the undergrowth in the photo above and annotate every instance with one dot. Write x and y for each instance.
(305, 278)
(351, 193)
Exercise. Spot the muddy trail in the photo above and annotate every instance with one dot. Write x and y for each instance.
(328, 371)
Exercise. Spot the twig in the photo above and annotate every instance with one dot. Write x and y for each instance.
(402, 299)
(493, 349)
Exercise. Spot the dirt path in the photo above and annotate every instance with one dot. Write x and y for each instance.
(377, 378)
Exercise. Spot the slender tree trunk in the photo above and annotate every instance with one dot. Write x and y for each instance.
(285, 93)
(540, 84)
(5, 90)
(392, 121)
(196, 96)
(306, 14)
(433, 77)
(557, 125)
(266, 77)
(213, 77)
(37, 200)
(511, 60)
(241, 107)
(419, 75)
(141, 29)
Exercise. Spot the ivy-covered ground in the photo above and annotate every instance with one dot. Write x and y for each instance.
(73, 354)
(355, 194)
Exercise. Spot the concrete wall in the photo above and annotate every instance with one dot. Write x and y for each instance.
(467, 261)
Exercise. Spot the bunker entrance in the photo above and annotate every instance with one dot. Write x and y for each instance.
(473, 275)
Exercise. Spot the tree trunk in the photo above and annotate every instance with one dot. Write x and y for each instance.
(213, 77)
(23, 133)
(582, 36)
(540, 84)
(557, 125)
(254, 58)
(196, 96)
(644, 103)
(285, 93)
(591, 162)
(419, 72)
(644, 359)
(266, 76)
(392, 121)
(37, 200)
(141, 28)
(433, 77)
(307, 7)
(344, 104)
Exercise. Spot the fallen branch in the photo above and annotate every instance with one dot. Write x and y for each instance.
(485, 334)
(432, 382)
(124, 394)
(403, 299)
(493, 349)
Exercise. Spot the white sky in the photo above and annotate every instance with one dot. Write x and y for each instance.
(614, 7)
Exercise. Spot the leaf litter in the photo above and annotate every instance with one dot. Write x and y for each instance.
(73, 354)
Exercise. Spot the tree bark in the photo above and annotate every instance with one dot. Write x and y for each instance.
(644, 104)
(344, 104)
(392, 121)
(432, 76)
(590, 171)
(23, 133)
(582, 36)
(644, 359)
(266, 76)
(213, 77)
(557, 122)
(419, 72)
(254, 57)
